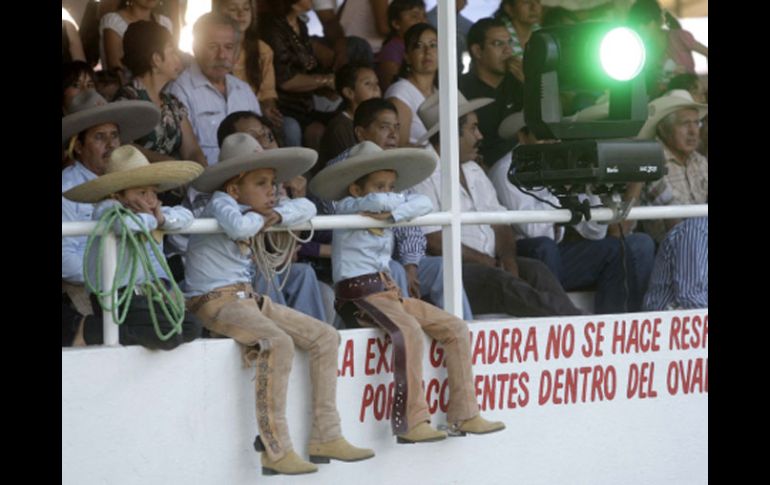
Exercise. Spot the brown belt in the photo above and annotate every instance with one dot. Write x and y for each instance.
(352, 292)
(241, 291)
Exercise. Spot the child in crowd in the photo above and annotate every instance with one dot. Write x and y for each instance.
(219, 288)
(127, 195)
(366, 183)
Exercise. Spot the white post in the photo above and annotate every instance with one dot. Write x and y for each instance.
(450, 167)
(109, 267)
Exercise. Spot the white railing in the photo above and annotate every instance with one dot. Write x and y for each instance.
(451, 286)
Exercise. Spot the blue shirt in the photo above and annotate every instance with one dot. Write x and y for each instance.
(216, 260)
(177, 218)
(73, 248)
(680, 274)
(356, 252)
(207, 107)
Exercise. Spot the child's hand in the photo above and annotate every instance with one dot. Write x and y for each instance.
(271, 219)
(159, 214)
(380, 216)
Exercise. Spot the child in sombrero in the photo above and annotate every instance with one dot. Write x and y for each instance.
(125, 197)
(218, 279)
(366, 183)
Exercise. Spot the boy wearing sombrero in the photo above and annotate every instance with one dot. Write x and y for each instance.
(130, 181)
(220, 293)
(366, 183)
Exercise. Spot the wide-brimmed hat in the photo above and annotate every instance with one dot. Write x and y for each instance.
(661, 107)
(128, 168)
(511, 125)
(428, 112)
(242, 153)
(134, 118)
(413, 165)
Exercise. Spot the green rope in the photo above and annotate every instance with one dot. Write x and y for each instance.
(132, 252)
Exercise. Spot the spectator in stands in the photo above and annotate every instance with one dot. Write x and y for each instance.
(335, 49)
(298, 72)
(691, 83)
(300, 289)
(463, 26)
(495, 278)
(71, 47)
(254, 64)
(131, 183)
(220, 293)
(521, 18)
(489, 45)
(402, 14)
(367, 182)
(680, 277)
(113, 25)
(76, 76)
(675, 120)
(206, 88)
(355, 83)
(581, 255)
(91, 130)
(366, 19)
(152, 58)
(418, 80)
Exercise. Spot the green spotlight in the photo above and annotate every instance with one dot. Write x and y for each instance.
(622, 54)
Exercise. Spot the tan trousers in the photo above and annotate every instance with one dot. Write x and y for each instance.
(413, 317)
(269, 334)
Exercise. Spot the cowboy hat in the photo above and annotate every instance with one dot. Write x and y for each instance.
(511, 125)
(661, 107)
(127, 168)
(428, 112)
(413, 165)
(242, 153)
(134, 118)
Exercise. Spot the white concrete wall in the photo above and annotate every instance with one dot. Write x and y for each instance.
(133, 416)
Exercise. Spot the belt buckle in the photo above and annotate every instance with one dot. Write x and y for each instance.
(241, 295)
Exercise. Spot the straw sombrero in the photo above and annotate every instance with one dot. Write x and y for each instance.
(127, 168)
(428, 112)
(661, 107)
(241, 153)
(134, 118)
(413, 165)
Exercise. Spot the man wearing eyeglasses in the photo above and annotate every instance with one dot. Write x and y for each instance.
(489, 45)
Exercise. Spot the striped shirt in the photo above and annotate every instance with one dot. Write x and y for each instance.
(680, 275)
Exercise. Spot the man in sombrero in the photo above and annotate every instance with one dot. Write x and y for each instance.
(219, 290)
(90, 132)
(368, 182)
(130, 182)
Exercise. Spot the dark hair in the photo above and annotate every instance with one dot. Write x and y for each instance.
(500, 10)
(250, 44)
(671, 21)
(141, 41)
(643, 12)
(347, 75)
(367, 111)
(71, 71)
(227, 126)
(686, 81)
(411, 37)
(478, 31)
(559, 16)
(394, 13)
(281, 8)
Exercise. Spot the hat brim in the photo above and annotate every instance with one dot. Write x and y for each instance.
(288, 162)
(650, 126)
(413, 165)
(511, 125)
(462, 110)
(134, 119)
(164, 175)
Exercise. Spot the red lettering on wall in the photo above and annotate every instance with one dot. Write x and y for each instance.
(368, 370)
(688, 332)
(593, 339)
(366, 401)
(436, 355)
(567, 386)
(689, 377)
(640, 381)
(480, 349)
(347, 360)
(636, 336)
(560, 341)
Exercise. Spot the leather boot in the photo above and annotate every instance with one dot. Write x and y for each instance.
(423, 432)
(290, 464)
(338, 449)
(477, 425)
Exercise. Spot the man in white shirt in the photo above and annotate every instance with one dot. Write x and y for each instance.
(495, 278)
